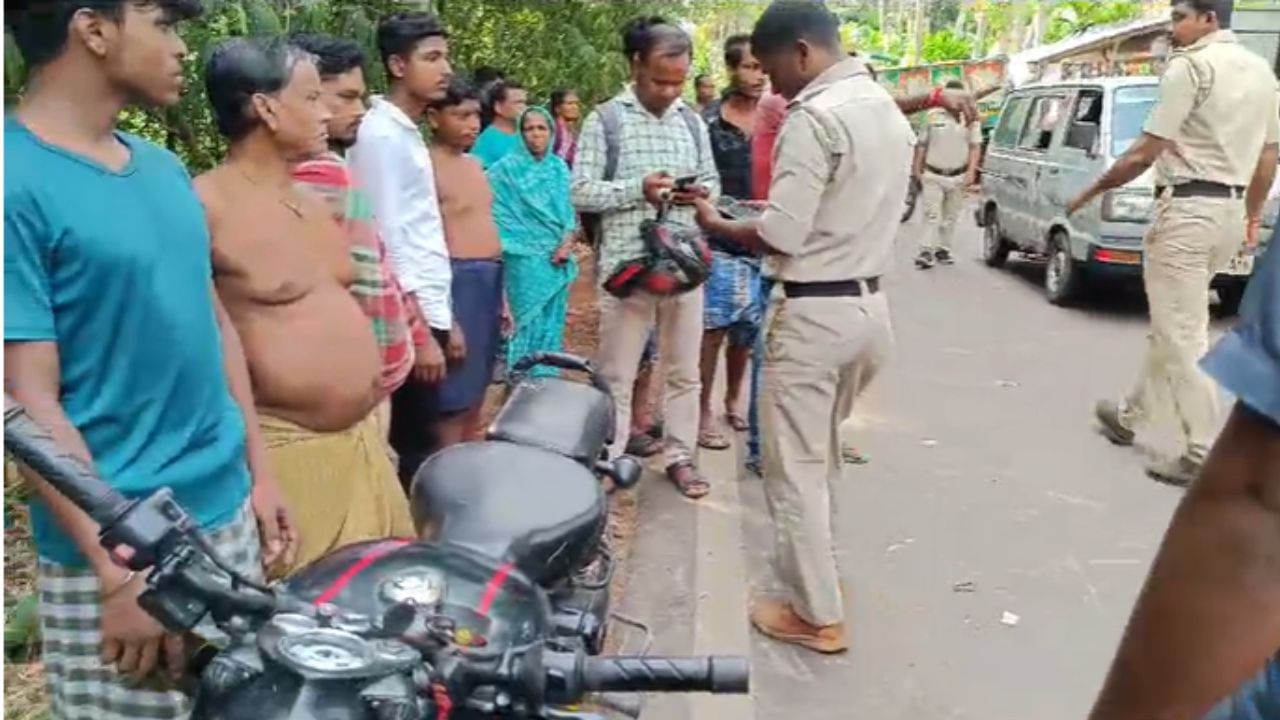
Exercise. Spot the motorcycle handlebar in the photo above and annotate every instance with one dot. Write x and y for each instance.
(34, 446)
(729, 675)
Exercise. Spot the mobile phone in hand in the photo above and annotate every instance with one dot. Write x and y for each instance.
(686, 182)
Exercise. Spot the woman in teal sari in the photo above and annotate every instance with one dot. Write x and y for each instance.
(538, 226)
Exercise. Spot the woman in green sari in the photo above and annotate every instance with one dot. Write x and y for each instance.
(538, 226)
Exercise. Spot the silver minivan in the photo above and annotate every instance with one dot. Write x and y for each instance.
(1051, 141)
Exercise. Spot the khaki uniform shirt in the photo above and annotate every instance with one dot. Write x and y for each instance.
(948, 140)
(1219, 104)
(841, 169)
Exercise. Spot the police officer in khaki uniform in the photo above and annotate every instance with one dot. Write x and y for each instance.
(946, 163)
(842, 165)
(1212, 137)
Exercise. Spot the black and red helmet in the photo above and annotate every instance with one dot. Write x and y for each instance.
(676, 260)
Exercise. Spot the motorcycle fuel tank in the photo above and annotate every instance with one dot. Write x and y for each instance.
(486, 601)
(356, 657)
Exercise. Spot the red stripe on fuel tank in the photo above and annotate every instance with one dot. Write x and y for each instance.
(358, 567)
(494, 587)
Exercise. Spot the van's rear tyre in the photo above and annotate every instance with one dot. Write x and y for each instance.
(995, 249)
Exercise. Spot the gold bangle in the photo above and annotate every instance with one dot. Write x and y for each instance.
(123, 584)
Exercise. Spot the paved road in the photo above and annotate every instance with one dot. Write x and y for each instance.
(986, 470)
(989, 492)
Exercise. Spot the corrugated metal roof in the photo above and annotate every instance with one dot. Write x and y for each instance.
(1088, 38)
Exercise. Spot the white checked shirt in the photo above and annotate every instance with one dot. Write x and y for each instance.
(391, 162)
(647, 144)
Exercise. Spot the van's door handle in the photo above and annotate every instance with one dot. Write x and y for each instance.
(1054, 171)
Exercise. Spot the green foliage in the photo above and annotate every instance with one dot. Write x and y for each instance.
(946, 45)
(545, 45)
(1069, 17)
(573, 43)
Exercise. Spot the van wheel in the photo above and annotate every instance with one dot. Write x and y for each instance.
(1063, 277)
(995, 249)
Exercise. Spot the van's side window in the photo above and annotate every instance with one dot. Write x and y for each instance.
(1011, 122)
(1086, 121)
(1045, 113)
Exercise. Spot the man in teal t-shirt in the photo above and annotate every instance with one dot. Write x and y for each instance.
(115, 343)
(506, 101)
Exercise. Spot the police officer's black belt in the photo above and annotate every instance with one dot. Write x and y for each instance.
(1202, 188)
(832, 288)
(944, 173)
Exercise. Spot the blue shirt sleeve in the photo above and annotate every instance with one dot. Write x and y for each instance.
(1247, 359)
(484, 149)
(28, 299)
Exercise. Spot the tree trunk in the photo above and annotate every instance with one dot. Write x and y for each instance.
(883, 28)
(979, 30)
(1039, 23)
(920, 29)
(1016, 31)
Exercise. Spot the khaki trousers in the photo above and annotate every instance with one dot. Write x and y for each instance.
(942, 199)
(624, 329)
(819, 355)
(1190, 241)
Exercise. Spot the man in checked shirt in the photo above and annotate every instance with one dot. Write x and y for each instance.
(660, 138)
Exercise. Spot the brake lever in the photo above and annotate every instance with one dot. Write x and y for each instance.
(557, 714)
(631, 705)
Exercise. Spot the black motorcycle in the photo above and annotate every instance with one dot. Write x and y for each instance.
(487, 616)
(532, 493)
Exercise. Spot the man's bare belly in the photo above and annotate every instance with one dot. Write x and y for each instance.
(472, 234)
(313, 361)
(281, 267)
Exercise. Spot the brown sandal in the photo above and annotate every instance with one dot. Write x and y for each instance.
(688, 480)
(643, 445)
(737, 422)
(852, 456)
(713, 440)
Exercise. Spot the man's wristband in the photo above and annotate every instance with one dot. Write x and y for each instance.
(935, 98)
(107, 595)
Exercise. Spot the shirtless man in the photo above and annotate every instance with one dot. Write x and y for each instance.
(282, 268)
(466, 203)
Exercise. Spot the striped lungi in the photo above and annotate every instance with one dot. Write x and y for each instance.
(80, 688)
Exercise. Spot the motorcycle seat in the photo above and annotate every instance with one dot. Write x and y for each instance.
(570, 418)
(536, 508)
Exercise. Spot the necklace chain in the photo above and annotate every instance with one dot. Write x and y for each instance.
(292, 205)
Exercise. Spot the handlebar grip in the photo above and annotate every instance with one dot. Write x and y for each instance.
(666, 674)
(35, 447)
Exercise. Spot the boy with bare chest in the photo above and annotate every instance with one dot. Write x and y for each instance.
(282, 268)
(466, 205)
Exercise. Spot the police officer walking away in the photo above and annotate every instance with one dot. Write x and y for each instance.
(946, 163)
(1212, 137)
(843, 161)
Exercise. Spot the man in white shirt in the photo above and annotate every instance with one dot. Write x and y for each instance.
(391, 160)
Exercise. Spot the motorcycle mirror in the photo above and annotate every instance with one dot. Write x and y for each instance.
(626, 471)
